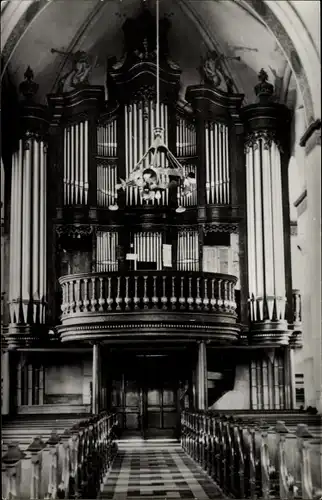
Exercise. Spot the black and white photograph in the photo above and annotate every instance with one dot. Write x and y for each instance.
(161, 250)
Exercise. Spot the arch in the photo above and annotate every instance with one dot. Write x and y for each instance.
(281, 18)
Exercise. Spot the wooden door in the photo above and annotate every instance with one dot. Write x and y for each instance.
(160, 398)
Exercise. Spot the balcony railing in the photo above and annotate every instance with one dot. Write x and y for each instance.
(154, 290)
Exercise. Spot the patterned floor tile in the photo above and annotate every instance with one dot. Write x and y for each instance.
(152, 470)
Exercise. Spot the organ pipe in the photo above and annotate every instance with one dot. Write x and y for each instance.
(188, 251)
(139, 134)
(106, 245)
(267, 288)
(217, 164)
(28, 281)
(76, 164)
(148, 248)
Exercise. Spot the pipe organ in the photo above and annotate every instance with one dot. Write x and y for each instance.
(265, 231)
(28, 234)
(140, 120)
(186, 138)
(76, 156)
(268, 382)
(217, 163)
(188, 251)
(107, 163)
(106, 251)
(147, 247)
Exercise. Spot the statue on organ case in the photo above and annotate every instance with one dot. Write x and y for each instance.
(78, 76)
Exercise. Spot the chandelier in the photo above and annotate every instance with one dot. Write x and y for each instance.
(148, 176)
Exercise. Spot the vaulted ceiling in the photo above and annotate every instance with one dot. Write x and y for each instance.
(231, 27)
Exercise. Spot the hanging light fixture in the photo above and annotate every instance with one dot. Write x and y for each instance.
(147, 177)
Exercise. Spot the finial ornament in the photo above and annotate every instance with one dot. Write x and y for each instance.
(264, 90)
(28, 88)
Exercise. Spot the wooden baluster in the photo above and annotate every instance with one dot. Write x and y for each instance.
(77, 296)
(118, 299)
(145, 297)
(173, 299)
(226, 297)
(219, 300)
(164, 298)
(205, 294)
(86, 301)
(213, 298)
(127, 299)
(35, 449)
(63, 304)
(182, 299)
(136, 299)
(190, 298)
(101, 300)
(198, 298)
(93, 300)
(53, 467)
(155, 298)
(109, 299)
(72, 296)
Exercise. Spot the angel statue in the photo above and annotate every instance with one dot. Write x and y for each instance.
(78, 76)
(212, 69)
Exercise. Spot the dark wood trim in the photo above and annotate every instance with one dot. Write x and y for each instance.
(301, 198)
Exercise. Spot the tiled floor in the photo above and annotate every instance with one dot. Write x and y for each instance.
(156, 470)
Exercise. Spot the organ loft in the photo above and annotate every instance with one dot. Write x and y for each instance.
(148, 264)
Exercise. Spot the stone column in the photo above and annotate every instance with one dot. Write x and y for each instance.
(267, 129)
(202, 377)
(28, 218)
(96, 379)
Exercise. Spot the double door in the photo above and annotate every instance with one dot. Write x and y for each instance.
(150, 397)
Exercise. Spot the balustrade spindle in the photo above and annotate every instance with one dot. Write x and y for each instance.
(182, 299)
(155, 298)
(198, 300)
(127, 299)
(164, 298)
(86, 301)
(109, 300)
(145, 297)
(205, 295)
(93, 300)
(136, 299)
(118, 299)
(78, 301)
(173, 299)
(190, 298)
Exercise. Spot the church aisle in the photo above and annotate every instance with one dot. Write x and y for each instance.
(156, 470)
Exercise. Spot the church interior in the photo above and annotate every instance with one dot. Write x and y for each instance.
(160, 247)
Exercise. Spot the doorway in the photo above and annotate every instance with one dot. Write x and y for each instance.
(145, 392)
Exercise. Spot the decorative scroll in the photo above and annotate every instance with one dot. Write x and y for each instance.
(147, 247)
(76, 164)
(139, 133)
(188, 251)
(106, 251)
(265, 232)
(28, 268)
(217, 164)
